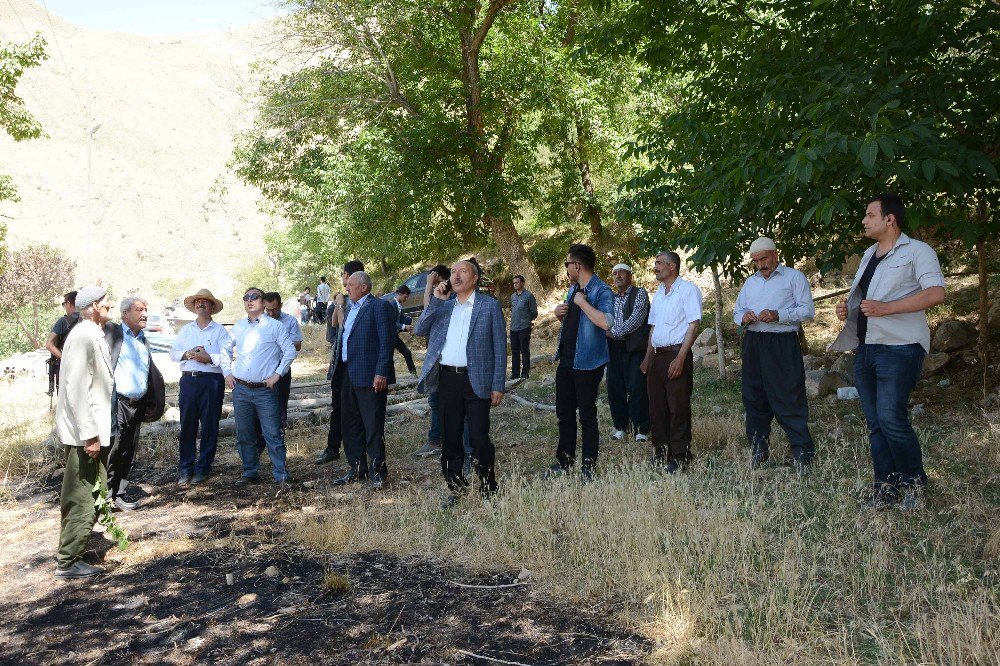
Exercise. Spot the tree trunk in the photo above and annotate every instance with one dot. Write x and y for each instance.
(34, 313)
(24, 329)
(512, 250)
(385, 265)
(593, 212)
(984, 318)
(720, 343)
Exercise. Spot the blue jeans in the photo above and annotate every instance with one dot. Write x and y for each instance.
(253, 406)
(434, 433)
(885, 375)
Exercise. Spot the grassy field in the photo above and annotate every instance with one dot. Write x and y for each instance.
(719, 565)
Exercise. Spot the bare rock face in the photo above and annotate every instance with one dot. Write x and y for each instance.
(845, 366)
(933, 362)
(706, 339)
(952, 335)
(820, 383)
(993, 317)
(812, 362)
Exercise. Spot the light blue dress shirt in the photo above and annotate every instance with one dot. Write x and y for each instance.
(787, 292)
(132, 371)
(352, 314)
(292, 324)
(263, 348)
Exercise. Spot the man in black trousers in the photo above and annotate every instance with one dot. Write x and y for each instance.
(403, 323)
(366, 352)
(335, 373)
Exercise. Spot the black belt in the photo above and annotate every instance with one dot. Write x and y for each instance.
(249, 384)
(667, 349)
(198, 373)
(458, 370)
(131, 402)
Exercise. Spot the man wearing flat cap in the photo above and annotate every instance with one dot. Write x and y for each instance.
(627, 339)
(83, 426)
(771, 307)
(198, 348)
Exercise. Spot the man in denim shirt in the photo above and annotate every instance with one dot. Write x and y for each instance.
(582, 354)
(884, 319)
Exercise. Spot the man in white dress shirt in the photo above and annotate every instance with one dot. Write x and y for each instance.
(272, 307)
(771, 306)
(675, 315)
(322, 299)
(198, 348)
(264, 351)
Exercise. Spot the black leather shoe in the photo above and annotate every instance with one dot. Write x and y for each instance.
(672, 467)
(247, 481)
(349, 478)
(327, 456)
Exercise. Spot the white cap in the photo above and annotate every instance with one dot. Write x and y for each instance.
(622, 267)
(762, 244)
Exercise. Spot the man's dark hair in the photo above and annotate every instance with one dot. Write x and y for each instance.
(70, 296)
(475, 264)
(353, 266)
(442, 270)
(260, 291)
(322, 278)
(272, 296)
(403, 289)
(519, 277)
(672, 258)
(891, 204)
(584, 254)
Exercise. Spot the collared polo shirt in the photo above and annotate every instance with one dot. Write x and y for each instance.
(786, 291)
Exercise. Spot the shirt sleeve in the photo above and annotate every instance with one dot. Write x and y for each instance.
(177, 349)
(606, 304)
(741, 307)
(802, 309)
(640, 313)
(926, 267)
(295, 331)
(692, 305)
(287, 350)
(533, 305)
(226, 355)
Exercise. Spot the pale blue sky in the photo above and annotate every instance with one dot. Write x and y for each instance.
(157, 17)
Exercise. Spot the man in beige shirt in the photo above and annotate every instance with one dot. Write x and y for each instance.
(885, 321)
(83, 426)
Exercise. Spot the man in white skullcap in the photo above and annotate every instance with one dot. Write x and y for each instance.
(627, 340)
(771, 307)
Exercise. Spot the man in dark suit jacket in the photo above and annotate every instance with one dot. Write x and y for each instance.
(403, 323)
(366, 352)
(139, 393)
(466, 362)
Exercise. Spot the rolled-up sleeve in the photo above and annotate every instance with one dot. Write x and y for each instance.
(927, 268)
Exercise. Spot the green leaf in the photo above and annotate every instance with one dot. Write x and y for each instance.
(929, 169)
(888, 146)
(869, 150)
(809, 214)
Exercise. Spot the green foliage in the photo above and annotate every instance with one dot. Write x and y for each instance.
(102, 505)
(792, 114)
(14, 117)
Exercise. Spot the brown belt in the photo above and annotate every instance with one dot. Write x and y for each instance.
(249, 384)
(667, 349)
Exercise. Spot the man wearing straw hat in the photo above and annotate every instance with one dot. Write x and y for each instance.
(197, 348)
(771, 307)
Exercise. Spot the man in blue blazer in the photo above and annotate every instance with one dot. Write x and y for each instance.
(366, 352)
(466, 361)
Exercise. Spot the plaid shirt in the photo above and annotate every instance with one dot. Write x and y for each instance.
(622, 327)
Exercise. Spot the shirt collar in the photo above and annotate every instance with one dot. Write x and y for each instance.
(360, 300)
(128, 332)
(468, 303)
(778, 270)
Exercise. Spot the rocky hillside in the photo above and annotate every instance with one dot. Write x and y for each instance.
(148, 202)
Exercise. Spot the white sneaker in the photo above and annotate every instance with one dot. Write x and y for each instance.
(617, 435)
(641, 438)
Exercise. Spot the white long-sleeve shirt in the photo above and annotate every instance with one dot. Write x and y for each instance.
(214, 338)
(786, 291)
(263, 348)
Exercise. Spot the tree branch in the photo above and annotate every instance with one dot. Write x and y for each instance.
(496, 6)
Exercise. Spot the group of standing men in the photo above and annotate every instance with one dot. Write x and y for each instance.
(109, 383)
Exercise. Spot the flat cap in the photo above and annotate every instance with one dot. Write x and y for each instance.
(89, 295)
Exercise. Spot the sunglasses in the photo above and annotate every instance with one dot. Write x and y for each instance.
(251, 297)
(567, 263)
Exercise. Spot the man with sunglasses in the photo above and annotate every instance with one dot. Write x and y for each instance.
(264, 352)
(582, 354)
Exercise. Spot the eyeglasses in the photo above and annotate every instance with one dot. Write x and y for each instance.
(567, 263)
(251, 297)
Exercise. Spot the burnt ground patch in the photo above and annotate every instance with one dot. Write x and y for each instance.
(179, 609)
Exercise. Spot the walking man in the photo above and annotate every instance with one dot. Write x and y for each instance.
(885, 321)
(675, 315)
(366, 352)
(627, 342)
(199, 348)
(264, 351)
(322, 298)
(139, 394)
(582, 354)
(403, 323)
(335, 371)
(465, 364)
(83, 426)
(523, 311)
(272, 308)
(770, 308)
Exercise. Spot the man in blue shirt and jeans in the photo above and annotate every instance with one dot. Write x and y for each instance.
(884, 320)
(582, 355)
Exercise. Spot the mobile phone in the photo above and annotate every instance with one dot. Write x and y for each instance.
(447, 286)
